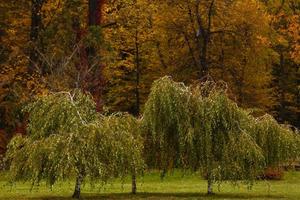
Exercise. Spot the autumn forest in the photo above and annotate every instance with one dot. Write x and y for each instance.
(109, 56)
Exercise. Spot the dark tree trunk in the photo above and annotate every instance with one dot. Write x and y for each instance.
(137, 96)
(95, 77)
(82, 63)
(204, 36)
(36, 26)
(133, 183)
(203, 60)
(160, 55)
(137, 63)
(95, 12)
(77, 190)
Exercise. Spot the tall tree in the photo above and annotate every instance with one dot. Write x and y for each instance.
(129, 72)
(223, 35)
(133, 66)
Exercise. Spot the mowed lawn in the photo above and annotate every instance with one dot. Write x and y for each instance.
(175, 186)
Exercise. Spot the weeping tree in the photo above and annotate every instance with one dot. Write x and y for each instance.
(68, 138)
(219, 144)
(200, 128)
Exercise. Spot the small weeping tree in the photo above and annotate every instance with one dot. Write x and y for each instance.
(67, 138)
(219, 144)
(200, 128)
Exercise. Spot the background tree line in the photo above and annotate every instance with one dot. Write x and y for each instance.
(114, 49)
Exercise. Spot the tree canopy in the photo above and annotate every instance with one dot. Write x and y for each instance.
(67, 138)
(200, 128)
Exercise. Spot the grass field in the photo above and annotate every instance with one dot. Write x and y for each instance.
(151, 187)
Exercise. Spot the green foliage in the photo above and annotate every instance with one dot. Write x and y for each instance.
(200, 128)
(59, 113)
(166, 117)
(123, 148)
(67, 138)
(278, 142)
(219, 141)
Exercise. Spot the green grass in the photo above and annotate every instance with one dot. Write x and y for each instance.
(175, 186)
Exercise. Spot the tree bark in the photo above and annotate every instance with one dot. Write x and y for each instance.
(36, 26)
(137, 64)
(204, 35)
(95, 77)
(77, 190)
(82, 63)
(209, 182)
(137, 96)
(133, 183)
(95, 12)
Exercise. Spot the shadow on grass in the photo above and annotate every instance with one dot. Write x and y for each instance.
(165, 196)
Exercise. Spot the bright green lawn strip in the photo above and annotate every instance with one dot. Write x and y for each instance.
(175, 186)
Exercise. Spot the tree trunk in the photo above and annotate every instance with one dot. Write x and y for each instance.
(204, 34)
(95, 78)
(76, 194)
(36, 26)
(95, 12)
(209, 183)
(137, 63)
(137, 96)
(203, 60)
(133, 183)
